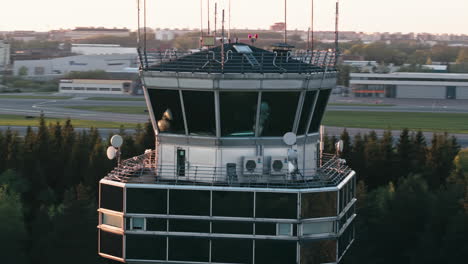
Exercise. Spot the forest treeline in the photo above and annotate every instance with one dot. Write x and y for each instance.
(412, 196)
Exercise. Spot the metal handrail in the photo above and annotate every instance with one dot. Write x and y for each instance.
(144, 169)
(298, 61)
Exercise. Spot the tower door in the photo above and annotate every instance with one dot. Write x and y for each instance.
(181, 162)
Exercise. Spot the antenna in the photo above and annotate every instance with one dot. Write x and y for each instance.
(337, 30)
(114, 150)
(216, 19)
(285, 21)
(201, 24)
(312, 28)
(209, 30)
(229, 23)
(290, 138)
(144, 32)
(222, 43)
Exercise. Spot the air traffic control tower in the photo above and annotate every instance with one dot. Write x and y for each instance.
(237, 174)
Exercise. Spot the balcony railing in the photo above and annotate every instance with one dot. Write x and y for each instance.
(208, 61)
(144, 169)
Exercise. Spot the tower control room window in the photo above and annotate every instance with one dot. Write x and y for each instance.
(306, 111)
(322, 102)
(167, 110)
(238, 113)
(277, 113)
(200, 113)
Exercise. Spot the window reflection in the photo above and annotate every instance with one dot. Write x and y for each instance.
(238, 111)
(306, 110)
(200, 112)
(319, 110)
(277, 113)
(167, 110)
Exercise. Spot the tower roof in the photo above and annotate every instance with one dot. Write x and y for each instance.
(240, 58)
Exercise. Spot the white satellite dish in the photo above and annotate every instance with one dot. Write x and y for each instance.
(290, 138)
(339, 146)
(111, 153)
(116, 141)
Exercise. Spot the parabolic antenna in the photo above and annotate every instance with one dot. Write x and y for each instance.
(111, 153)
(339, 146)
(116, 141)
(289, 138)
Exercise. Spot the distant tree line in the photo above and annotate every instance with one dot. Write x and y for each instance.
(412, 196)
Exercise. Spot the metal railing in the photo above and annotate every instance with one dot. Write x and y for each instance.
(144, 169)
(257, 62)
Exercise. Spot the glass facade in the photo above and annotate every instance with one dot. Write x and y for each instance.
(306, 111)
(111, 198)
(167, 110)
(110, 244)
(188, 202)
(276, 205)
(277, 113)
(317, 205)
(145, 247)
(238, 111)
(319, 111)
(112, 220)
(318, 252)
(189, 249)
(200, 113)
(233, 204)
(146, 201)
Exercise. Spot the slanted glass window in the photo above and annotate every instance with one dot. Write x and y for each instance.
(322, 102)
(111, 197)
(138, 223)
(167, 110)
(317, 228)
(306, 111)
(277, 113)
(321, 204)
(112, 220)
(111, 244)
(322, 251)
(238, 113)
(284, 229)
(200, 113)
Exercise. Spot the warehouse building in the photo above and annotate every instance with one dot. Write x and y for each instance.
(410, 85)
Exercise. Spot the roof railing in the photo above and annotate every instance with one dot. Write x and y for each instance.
(144, 169)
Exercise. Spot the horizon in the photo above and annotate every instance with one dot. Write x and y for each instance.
(358, 15)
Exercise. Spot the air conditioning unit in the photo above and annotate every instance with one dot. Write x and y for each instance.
(278, 165)
(252, 166)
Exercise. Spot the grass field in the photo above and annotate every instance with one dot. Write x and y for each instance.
(35, 97)
(113, 109)
(115, 99)
(357, 104)
(16, 120)
(433, 122)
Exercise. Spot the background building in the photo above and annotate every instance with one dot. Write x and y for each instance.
(410, 85)
(57, 67)
(101, 49)
(90, 32)
(4, 55)
(91, 86)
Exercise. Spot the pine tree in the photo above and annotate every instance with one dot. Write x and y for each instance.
(404, 150)
(419, 152)
(357, 158)
(346, 153)
(388, 158)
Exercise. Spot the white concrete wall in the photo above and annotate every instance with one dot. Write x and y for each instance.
(425, 92)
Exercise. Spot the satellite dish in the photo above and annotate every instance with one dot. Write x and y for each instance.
(339, 146)
(111, 153)
(289, 138)
(116, 141)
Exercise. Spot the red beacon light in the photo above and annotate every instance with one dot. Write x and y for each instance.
(250, 36)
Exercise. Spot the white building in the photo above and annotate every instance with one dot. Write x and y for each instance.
(410, 85)
(101, 49)
(170, 34)
(88, 86)
(4, 55)
(90, 32)
(57, 67)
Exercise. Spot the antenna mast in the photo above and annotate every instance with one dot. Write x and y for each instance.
(201, 23)
(285, 22)
(209, 30)
(337, 30)
(312, 29)
(144, 32)
(216, 20)
(229, 23)
(222, 43)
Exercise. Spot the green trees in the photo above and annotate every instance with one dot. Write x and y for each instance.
(48, 191)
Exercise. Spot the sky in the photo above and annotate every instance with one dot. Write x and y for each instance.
(447, 16)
